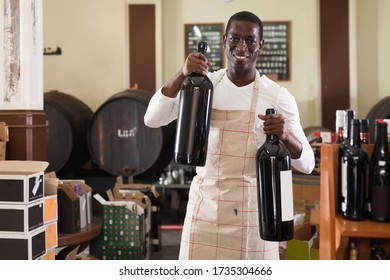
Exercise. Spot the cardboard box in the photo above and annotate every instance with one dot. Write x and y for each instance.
(21, 182)
(315, 215)
(50, 255)
(142, 194)
(50, 212)
(68, 210)
(15, 218)
(28, 246)
(124, 252)
(125, 228)
(3, 147)
(122, 225)
(85, 198)
(4, 132)
(305, 244)
(51, 235)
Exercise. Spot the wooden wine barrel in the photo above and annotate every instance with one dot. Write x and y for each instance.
(68, 119)
(121, 144)
(381, 110)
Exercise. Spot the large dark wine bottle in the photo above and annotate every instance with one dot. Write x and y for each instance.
(274, 189)
(196, 97)
(379, 174)
(354, 177)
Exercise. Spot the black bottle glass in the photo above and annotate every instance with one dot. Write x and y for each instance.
(274, 189)
(354, 177)
(379, 174)
(196, 98)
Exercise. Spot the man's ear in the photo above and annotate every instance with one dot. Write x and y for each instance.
(261, 45)
(223, 41)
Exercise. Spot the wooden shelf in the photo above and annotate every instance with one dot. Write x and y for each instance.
(335, 231)
(364, 229)
(80, 239)
(85, 234)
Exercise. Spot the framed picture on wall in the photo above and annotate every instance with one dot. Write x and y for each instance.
(212, 34)
(275, 59)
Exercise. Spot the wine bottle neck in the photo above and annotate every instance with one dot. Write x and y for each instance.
(272, 138)
(340, 135)
(355, 133)
(381, 135)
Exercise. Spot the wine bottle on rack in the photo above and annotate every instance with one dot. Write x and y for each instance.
(354, 177)
(274, 189)
(379, 174)
(193, 123)
(364, 134)
(353, 251)
(349, 116)
(340, 125)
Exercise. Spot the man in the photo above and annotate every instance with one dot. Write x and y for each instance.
(222, 215)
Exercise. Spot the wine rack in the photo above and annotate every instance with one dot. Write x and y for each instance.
(274, 60)
(335, 231)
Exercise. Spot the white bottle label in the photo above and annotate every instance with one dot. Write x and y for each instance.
(343, 185)
(287, 195)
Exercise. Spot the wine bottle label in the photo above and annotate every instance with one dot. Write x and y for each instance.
(286, 195)
(343, 185)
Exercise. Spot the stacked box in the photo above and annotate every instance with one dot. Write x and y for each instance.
(50, 216)
(74, 205)
(123, 233)
(22, 231)
(15, 218)
(26, 246)
(125, 189)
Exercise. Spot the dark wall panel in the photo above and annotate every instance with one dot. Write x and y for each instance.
(142, 46)
(334, 59)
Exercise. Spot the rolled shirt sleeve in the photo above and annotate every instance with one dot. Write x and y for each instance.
(161, 110)
(288, 106)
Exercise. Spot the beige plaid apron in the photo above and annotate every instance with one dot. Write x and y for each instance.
(222, 218)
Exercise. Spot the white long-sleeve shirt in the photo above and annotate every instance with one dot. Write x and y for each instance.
(227, 96)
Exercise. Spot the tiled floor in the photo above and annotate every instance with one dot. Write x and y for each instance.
(170, 244)
(171, 220)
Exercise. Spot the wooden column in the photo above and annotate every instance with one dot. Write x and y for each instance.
(335, 88)
(142, 20)
(21, 86)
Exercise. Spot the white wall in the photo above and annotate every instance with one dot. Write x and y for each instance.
(93, 37)
(304, 84)
(373, 57)
(21, 75)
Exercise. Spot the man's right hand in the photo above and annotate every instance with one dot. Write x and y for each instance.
(196, 63)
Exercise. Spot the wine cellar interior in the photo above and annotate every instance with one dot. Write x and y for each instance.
(81, 110)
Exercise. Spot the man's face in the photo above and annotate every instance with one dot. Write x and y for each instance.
(242, 45)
